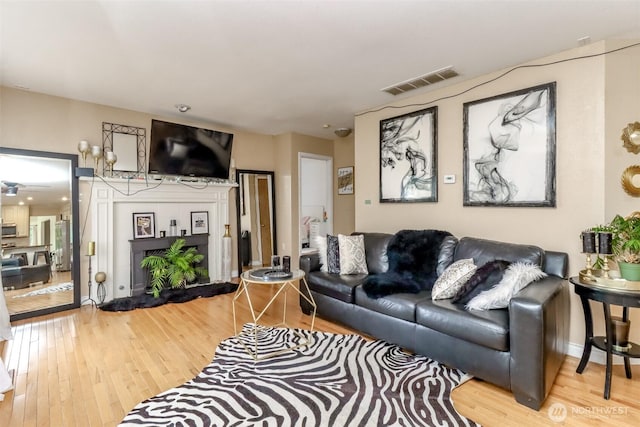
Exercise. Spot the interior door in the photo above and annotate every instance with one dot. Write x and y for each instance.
(265, 221)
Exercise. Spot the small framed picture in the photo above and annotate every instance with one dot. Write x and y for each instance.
(200, 222)
(345, 180)
(144, 225)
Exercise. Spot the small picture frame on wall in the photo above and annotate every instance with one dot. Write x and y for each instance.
(200, 222)
(144, 225)
(345, 180)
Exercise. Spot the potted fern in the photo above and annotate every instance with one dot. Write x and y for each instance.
(175, 269)
(626, 244)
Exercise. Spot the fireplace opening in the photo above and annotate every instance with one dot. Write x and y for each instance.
(140, 248)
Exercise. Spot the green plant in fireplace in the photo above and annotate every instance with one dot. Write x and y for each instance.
(175, 269)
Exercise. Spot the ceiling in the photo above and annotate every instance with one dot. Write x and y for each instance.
(274, 67)
(39, 180)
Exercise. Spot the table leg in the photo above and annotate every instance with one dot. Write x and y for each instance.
(627, 365)
(588, 335)
(609, 344)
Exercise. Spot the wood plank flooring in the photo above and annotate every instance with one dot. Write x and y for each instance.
(86, 367)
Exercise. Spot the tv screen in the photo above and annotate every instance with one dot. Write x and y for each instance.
(189, 151)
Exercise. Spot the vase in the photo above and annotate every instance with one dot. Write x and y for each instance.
(629, 271)
(226, 254)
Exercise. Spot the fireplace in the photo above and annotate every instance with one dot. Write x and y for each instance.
(140, 248)
(114, 201)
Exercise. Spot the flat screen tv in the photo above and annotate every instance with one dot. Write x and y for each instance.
(189, 151)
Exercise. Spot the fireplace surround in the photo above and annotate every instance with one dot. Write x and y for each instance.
(112, 204)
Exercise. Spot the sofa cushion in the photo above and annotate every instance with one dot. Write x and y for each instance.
(447, 252)
(336, 286)
(375, 247)
(399, 306)
(453, 278)
(487, 328)
(11, 271)
(483, 251)
(10, 262)
(352, 254)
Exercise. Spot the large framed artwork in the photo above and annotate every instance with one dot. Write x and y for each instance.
(408, 157)
(510, 149)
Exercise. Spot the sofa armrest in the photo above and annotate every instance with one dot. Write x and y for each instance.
(539, 335)
(308, 263)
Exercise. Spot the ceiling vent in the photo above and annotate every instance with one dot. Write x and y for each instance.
(422, 81)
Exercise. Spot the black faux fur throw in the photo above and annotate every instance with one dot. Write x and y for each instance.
(413, 259)
(168, 296)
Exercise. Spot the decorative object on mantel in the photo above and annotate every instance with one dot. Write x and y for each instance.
(144, 225)
(200, 222)
(631, 137)
(173, 228)
(96, 153)
(83, 148)
(176, 268)
(110, 159)
(627, 181)
(226, 253)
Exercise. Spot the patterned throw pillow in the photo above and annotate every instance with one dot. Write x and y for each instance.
(321, 244)
(517, 277)
(333, 254)
(483, 279)
(353, 259)
(453, 278)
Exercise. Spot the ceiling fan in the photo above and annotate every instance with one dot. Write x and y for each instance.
(10, 188)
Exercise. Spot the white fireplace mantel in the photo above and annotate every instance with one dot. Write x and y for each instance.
(113, 203)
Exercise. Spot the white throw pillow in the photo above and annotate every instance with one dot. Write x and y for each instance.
(321, 244)
(517, 277)
(353, 259)
(453, 278)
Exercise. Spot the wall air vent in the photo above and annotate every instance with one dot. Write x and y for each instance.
(422, 81)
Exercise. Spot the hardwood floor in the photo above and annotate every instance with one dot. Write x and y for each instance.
(87, 367)
(17, 302)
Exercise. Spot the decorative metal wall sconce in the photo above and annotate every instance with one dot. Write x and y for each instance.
(631, 137)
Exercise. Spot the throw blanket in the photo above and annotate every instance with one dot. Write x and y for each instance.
(413, 259)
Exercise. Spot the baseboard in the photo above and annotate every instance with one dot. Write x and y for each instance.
(597, 356)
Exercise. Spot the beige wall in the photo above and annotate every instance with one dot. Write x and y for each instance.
(586, 91)
(343, 205)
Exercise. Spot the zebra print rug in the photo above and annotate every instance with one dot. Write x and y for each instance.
(339, 380)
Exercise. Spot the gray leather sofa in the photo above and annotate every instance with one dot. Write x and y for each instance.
(16, 275)
(519, 348)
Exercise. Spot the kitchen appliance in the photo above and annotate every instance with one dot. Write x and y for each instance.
(9, 230)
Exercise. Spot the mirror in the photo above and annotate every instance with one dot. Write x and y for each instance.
(128, 143)
(40, 259)
(255, 207)
(631, 137)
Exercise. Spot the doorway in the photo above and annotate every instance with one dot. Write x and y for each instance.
(315, 186)
(39, 192)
